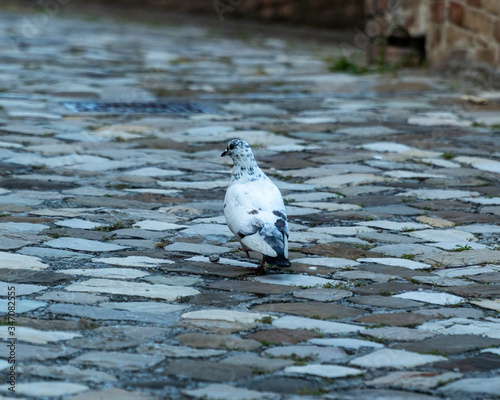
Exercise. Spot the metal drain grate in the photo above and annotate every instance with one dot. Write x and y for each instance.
(170, 107)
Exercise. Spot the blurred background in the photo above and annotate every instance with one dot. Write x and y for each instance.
(459, 36)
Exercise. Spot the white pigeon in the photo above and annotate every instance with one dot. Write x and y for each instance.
(254, 208)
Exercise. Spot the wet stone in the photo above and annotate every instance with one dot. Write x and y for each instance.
(250, 287)
(386, 289)
(312, 353)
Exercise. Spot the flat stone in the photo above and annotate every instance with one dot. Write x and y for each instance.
(292, 336)
(393, 226)
(221, 299)
(324, 371)
(151, 225)
(474, 385)
(113, 394)
(322, 310)
(380, 394)
(346, 343)
(78, 224)
(43, 389)
(225, 315)
(488, 304)
(203, 341)
(325, 295)
(98, 313)
(208, 370)
(395, 319)
(321, 326)
(196, 248)
(117, 360)
(384, 301)
(449, 345)
(36, 336)
(30, 352)
(484, 362)
(112, 273)
(165, 292)
(315, 353)
(390, 358)
(419, 380)
(337, 181)
(22, 306)
(30, 276)
(170, 351)
(222, 392)
(18, 261)
(144, 307)
(250, 287)
(295, 280)
(78, 298)
(83, 245)
(398, 334)
(462, 326)
(476, 290)
(45, 252)
(68, 372)
(133, 261)
(256, 362)
(387, 289)
(435, 222)
(444, 235)
(448, 312)
(281, 384)
(432, 297)
(329, 262)
(222, 261)
(174, 280)
(398, 262)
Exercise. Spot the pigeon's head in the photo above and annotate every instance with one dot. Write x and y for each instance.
(238, 149)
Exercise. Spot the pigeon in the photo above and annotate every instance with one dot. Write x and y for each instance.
(254, 208)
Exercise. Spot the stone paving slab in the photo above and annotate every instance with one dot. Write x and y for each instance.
(129, 284)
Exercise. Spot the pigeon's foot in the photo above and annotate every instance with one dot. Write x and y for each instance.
(246, 251)
(261, 269)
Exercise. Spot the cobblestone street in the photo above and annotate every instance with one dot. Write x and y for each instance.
(130, 286)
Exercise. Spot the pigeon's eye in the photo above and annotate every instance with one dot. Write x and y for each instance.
(231, 146)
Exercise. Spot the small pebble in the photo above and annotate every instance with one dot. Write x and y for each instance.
(214, 258)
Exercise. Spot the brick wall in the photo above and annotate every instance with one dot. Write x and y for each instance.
(460, 34)
(465, 32)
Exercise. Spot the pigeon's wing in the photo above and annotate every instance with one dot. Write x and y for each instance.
(255, 213)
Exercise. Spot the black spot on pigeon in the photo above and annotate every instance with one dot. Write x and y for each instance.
(279, 214)
(280, 224)
(253, 212)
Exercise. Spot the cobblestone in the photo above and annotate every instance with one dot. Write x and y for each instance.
(126, 274)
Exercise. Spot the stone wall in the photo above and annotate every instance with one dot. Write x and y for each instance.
(459, 34)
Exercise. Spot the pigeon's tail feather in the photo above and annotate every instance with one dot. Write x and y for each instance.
(279, 243)
(280, 261)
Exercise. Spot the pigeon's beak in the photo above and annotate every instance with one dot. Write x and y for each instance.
(224, 153)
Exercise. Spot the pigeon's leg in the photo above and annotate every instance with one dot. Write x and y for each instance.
(261, 269)
(246, 250)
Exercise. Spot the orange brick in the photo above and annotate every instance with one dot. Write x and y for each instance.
(437, 11)
(492, 6)
(478, 21)
(456, 13)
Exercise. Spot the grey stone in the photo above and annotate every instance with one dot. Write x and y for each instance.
(208, 370)
(115, 360)
(199, 340)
